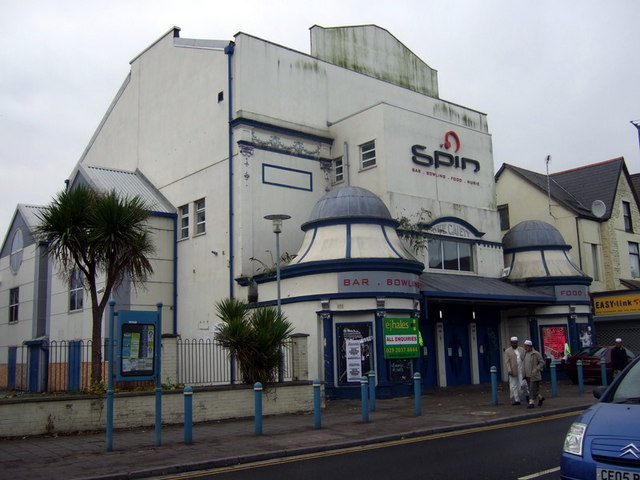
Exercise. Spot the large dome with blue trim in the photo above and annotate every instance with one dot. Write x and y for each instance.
(351, 223)
(349, 202)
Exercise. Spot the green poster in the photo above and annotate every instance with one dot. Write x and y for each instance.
(401, 338)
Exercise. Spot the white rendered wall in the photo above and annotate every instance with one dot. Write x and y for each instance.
(12, 334)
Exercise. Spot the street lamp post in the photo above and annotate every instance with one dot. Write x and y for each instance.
(636, 123)
(277, 219)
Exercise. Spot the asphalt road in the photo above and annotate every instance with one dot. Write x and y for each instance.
(524, 450)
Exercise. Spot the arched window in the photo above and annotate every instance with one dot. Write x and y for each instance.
(17, 244)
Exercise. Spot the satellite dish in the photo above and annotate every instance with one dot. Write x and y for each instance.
(598, 208)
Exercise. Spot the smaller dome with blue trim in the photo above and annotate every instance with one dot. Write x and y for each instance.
(533, 234)
(536, 254)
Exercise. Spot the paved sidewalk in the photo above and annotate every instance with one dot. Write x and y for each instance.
(216, 444)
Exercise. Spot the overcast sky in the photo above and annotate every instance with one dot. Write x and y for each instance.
(555, 77)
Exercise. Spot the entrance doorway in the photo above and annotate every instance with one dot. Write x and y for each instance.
(456, 350)
(489, 354)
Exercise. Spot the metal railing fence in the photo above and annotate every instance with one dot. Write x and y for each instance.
(65, 366)
(207, 362)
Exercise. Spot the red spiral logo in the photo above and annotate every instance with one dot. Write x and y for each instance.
(447, 142)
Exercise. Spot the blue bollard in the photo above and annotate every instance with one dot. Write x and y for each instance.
(364, 397)
(580, 376)
(317, 411)
(417, 393)
(109, 429)
(554, 380)
(257, 391)
(494, 385)
(111, 375)
(158, 426)
(372, 390)
(603, 370)
(188, 415)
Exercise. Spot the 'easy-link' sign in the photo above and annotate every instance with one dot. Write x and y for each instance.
(401, 338)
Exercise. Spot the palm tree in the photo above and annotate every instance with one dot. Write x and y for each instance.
(98, 234)
(254, 337)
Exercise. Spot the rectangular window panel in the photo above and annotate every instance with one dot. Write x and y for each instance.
(466, 261)
(503, 211)
(76, 291)
(450, 250)
(435, 253)
(14, 303)
(634, 260)
(368, 154)
(200, 216)
(184, 221)
(594, 262)
(626, 213)
(338, 170)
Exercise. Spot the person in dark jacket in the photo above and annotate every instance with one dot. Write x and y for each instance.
(619, 357)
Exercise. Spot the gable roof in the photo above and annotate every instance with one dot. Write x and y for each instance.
(125, 184)
(635, 183)
(26, 218)
(578, 188)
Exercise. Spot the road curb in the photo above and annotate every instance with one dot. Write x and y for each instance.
(264, 456)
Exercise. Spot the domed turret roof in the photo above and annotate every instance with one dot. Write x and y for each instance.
(353, 224)
(351, 203)
(533, 234)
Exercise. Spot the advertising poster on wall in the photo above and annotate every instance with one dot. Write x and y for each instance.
(554, 339)
(586, 336)
(355, 350)
(401, 338)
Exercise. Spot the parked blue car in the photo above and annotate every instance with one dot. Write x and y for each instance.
(604, 442)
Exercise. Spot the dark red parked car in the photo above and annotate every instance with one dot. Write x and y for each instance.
(591, 358)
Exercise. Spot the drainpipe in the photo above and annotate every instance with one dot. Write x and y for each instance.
(636, 123)
(228, 50)
(175, 274)
(579, 243)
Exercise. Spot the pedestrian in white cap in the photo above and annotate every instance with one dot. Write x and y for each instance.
(619, 358)
(533, 366)
(513, 357)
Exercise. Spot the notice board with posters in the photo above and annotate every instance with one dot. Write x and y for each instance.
(137, 338)
(554, 339)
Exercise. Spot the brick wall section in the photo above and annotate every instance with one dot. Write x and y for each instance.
(37, 416)
(300, 356)
(615, 239)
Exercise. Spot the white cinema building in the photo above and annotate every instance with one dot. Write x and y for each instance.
(349, 141)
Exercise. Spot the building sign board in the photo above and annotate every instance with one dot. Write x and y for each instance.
(429, 161)
(367, 281)
(616, 304)
(451, 229)
(401, 338)
(571, 293)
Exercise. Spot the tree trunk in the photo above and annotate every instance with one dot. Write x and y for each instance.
(96, 346)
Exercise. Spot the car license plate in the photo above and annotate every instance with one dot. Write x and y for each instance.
(608, 474)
